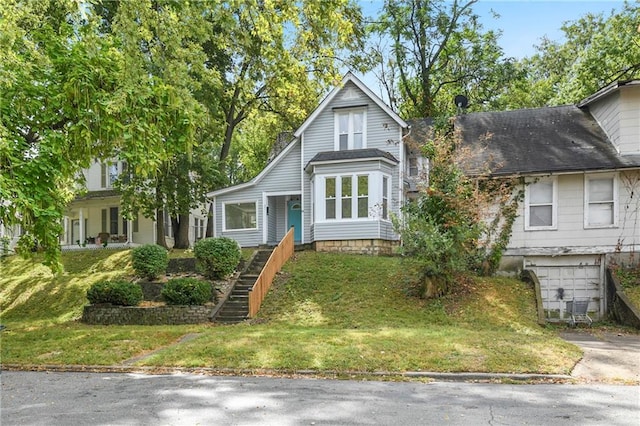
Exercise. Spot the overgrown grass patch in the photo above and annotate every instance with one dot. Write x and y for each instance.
(326, 312)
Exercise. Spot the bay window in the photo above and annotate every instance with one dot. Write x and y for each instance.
(352, 196)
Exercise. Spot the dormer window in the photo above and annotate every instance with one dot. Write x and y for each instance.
(350, 127)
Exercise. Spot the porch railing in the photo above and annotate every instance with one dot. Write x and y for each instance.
(279, 256)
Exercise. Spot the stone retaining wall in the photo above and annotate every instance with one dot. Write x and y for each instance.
(135, 315)
(368, 246)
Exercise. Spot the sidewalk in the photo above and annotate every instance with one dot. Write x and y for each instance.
(608, 356)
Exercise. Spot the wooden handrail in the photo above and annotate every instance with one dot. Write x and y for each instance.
(279, 256)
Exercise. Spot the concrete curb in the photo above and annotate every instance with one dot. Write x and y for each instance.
(436, 376)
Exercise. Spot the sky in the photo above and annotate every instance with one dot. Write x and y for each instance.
(525, 22)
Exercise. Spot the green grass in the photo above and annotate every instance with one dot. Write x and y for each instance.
(630, 281)
(326, 312)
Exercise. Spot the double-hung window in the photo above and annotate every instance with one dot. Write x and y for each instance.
(346, 197)
(541, 204)
(385, 197)
(110, 172)
(350, 129)
(600, 204)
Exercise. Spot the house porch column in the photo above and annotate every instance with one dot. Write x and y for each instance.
(81, 230)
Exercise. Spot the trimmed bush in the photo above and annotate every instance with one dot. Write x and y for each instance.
(217, 257)
(115, 292)
(150, 261)
(186, 291)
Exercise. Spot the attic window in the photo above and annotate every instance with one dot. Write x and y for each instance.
(350, 126)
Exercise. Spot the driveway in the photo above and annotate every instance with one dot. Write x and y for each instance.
(609, 357)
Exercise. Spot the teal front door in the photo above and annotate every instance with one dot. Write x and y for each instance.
(294, 215)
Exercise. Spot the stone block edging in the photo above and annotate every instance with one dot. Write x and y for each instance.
(156, 315)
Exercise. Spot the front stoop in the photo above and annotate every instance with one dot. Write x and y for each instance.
(236, 308)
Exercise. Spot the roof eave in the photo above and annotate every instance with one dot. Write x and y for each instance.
(349, 77)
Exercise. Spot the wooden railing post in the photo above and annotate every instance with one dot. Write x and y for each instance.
(279, 256)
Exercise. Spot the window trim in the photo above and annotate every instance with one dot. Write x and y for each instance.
(554, 205)
(587, 203)
(320, 197)
(336, 127)
(224, 215)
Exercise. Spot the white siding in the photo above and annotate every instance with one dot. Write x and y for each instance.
(607, 113)
(347, 230)
(618, 115)
(629, 120)
(571, 231)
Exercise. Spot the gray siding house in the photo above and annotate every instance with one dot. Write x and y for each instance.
(338, 182)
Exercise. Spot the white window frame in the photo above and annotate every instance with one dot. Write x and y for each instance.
(320, 196)
(587, 203)
(387, 198)
(350, 112)
(554, 205)
(110, 172)
(224, 215)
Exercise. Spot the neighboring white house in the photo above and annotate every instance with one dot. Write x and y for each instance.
(344, 173)
(581, 165)
(97, 215)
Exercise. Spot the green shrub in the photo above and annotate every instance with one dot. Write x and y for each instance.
(150, 261)
(217, 257)
(116, 292)
(186, 291)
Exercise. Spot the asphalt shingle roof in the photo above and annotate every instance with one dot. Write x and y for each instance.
(352, 154)
(540, 140)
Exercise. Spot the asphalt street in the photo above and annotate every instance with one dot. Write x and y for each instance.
(48, 398)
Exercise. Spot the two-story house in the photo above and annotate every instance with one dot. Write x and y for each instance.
(351, 165)
(338, 181)
(96, 217)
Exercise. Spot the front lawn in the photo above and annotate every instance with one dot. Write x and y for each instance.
(326, 312)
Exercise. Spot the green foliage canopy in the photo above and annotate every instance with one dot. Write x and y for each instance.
(72, 93)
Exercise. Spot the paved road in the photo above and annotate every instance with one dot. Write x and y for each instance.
(39, 398)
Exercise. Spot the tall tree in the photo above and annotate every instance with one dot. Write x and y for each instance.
(72, 93)
(282, 54)
(597, 50)
(168, 43)
(437, 50)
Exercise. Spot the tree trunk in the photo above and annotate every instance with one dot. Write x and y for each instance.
(160, 239)
(181, 231)
(209, 233)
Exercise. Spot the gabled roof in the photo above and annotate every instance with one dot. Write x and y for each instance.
(606, 91)
(351, 155)
(260, 175)
(349, 77)
(540, 140)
